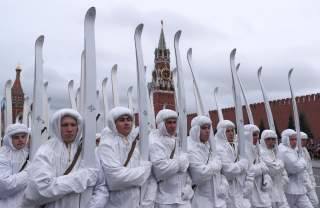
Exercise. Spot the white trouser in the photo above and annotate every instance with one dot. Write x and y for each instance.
(280, 204)
(187, 205)
(312, 195)
(298, 201)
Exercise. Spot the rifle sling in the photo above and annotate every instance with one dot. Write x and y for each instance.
(74, 161)
(24, 164)
(133, 146)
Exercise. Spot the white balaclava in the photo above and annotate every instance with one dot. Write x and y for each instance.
(267, 134)
(221, 130)
(285, 136)
(113, 115)
(196, 124)
(56, 123)
(11, 130)
(161, 118)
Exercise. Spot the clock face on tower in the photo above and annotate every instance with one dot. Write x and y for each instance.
(165, 73)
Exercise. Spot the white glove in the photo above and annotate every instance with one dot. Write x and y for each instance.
(145, 163)
(303, 162)
(215, 165)
(92, 175)
(187, 193)
(243, 163)
(183, 162)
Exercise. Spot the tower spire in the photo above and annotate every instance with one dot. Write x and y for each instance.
(162, 41)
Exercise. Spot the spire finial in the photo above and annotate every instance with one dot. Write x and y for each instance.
(162, 23)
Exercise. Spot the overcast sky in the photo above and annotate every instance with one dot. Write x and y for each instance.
(274, 34)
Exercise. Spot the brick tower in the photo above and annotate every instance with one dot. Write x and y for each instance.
(17, 97)
(161, 88)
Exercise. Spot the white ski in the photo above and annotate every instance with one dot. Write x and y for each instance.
(219, 111)
(37, 109)
(89, 99)
(105, 101)
(266, 102)
(8, 114)
(295, 113)
(238, 106)
(114, 81)
(182, 120)
(142, 96)
(249, 112)
(72, 95)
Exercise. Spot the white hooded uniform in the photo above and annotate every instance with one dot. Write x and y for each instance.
(48, 186)
(276, 170)
(311, 192)
(296, 168)
(123, 182)
(205, 169)
(233, 168)
(12, 180)
(174, 183)
(258, 180)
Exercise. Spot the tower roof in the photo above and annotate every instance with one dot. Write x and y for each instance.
(16, 87)
(162, 41)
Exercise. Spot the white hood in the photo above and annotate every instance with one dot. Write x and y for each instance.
(196, 124)
(161, 117)
(11, 130)
(285, 136)
(55, 123)
(221, 131)
(267, 134)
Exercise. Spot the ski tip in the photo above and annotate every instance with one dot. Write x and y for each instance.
(104, 81)
(91, 13)
(233, 52)
(290, 72)
(189, 53)
(8, 83)
(45, 84)
(40, 39)
(139, 29)
(177, 35)
(114, 68)
(259, 70)
(216, 89)
(70, 84)
(238, 66)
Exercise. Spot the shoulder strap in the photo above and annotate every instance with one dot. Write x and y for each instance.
(173, 150)
(133, 146)
(74, 161)
(209, 155)
(24, 164)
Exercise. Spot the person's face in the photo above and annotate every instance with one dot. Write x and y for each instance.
(171, 126)
(270, 142)
(204, 133)
(124, 125)
(230, 134)
(255, 137)
(304, 142)
(293, 141)
(69, 129)
(19, 140)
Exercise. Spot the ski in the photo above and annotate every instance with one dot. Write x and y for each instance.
(89, 98)
(215, 96)
(114, 81)
(182, 119)
(8, 114)
(295, 113)
(105, 101)
(238, 105)
(72, 95)
(37, 106)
